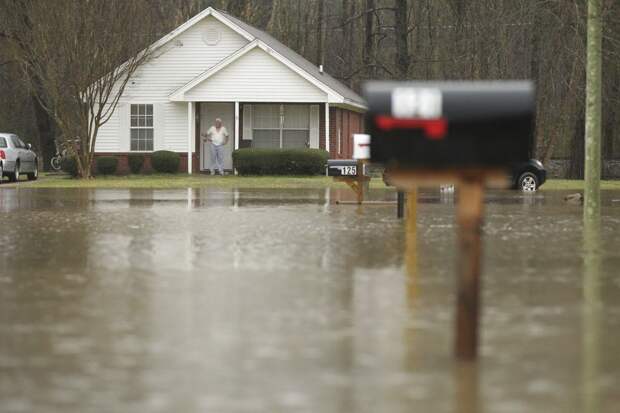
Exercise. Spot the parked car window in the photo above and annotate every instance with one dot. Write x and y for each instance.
(3, 143)
(17, 142)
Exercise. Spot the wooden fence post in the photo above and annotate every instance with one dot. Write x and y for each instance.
(469, 217)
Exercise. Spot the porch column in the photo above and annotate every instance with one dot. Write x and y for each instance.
(190, 135)
(327, 127)
(236, 125)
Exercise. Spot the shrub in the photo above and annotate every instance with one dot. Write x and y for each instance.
(69, 165)
(252, 161)
(106, 165)
(165, 161)
(135, 161)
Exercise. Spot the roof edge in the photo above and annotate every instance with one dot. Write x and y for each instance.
(332, 95)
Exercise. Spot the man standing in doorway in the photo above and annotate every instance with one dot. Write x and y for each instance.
(217, 135)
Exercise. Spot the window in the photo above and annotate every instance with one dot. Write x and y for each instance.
(141, 127)
(2, 142)
(295, 126)
(211, 36)
(280, 126)
(266, 126)
(17, 143)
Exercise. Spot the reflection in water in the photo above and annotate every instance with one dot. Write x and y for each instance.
(592, 313)
(411, 252)
(467, 387)
(279, 300)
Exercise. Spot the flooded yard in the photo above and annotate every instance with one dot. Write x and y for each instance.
(238, 300)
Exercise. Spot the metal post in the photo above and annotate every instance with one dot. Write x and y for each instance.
(361, 184)
(400, 204)
(469, 216)
(592, 175)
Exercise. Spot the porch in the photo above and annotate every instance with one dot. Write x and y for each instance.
(255, 125)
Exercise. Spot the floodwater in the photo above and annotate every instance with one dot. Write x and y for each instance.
(213, 300)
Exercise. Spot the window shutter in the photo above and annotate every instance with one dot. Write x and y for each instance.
(247, 122)
(123, 127)
(159, 126)
(314, 126)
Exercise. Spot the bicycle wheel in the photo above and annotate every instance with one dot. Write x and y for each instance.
(55, 163)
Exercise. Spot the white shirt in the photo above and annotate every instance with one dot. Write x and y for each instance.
(218, 137)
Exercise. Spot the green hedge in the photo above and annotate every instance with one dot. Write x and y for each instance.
(106, 165)
(251, 161)
(69, 165)
(165, 161)
(135, 160)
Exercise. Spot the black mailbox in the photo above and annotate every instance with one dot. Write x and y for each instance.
(450, 124)
(342, 167)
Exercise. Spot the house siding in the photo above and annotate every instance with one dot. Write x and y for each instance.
(174, 65)
(108, 138)
(182, 60)
(256, 77)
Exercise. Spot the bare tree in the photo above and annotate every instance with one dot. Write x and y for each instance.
(320, 35)
(401, 32)
(15, 44)
(369, 41)
(357, 40)
(83, 53)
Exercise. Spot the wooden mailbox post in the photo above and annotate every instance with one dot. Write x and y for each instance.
(462, 133)
(351, 172)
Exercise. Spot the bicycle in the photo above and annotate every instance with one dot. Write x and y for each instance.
(62, 152)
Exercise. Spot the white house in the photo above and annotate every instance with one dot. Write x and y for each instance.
(217, 66)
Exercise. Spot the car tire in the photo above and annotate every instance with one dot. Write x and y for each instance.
(527, 182)
(35, 174)
(1, 173)
(14, 177)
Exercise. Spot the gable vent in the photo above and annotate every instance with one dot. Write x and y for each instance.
(211, 37)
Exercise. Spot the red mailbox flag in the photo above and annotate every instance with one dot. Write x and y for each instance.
(434, 129)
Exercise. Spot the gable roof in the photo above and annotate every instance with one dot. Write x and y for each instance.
(297, 59)
(178, 95)
(259, 38)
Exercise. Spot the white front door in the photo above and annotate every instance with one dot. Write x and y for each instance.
(209, 111)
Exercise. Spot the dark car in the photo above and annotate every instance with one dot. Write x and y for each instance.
(528, 176)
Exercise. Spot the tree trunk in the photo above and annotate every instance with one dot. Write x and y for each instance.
(369, 49)
(402, 39)
(273, 18)
(46, 132)
(592, 194)
(345, 47)
(320, 36)
(236, 7)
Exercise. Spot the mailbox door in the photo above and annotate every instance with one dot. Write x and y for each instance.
(478, 124)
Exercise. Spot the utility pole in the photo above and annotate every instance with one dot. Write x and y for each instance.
(592, 192)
